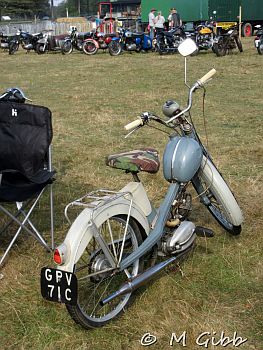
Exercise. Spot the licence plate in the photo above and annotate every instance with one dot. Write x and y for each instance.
(257, 43)
(59, 286)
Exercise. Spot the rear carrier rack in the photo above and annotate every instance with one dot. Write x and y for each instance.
(96, 199)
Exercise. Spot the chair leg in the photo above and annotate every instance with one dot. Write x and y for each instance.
(52, 217)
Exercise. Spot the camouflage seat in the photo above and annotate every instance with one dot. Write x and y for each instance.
(145, 159)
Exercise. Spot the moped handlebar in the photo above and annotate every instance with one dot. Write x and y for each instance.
(146, 116)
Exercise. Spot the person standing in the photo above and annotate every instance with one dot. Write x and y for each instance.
(151, 17)
(175, 18)
(159, 22)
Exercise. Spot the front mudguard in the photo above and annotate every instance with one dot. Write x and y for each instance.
(80, 233)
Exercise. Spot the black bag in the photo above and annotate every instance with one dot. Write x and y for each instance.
(25, 136)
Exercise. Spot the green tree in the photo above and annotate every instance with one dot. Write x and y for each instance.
(26, 9)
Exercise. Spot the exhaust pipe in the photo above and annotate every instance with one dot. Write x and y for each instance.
(141, 279)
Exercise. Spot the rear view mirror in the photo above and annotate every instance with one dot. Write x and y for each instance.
(187, 47)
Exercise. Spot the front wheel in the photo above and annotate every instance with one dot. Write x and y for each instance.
(219, 48)
(96, 278)
(90, 48)
(260, 48)
(13, 47)
(115, 48)
(221, 201)
(67, 48)
(40, 49)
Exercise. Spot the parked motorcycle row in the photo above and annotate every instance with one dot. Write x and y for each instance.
(126, 40)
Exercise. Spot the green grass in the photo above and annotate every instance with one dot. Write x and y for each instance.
(91, 99)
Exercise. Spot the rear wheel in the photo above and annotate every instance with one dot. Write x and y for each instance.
(114, 48)
(222, 203)
(90, 48)
(96, 279)
(219, 48)
(239, 44)
(247, 30)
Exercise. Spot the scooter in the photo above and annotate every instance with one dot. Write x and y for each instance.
(57, 43)
(117, 235)
(259, 39)
(130, 41)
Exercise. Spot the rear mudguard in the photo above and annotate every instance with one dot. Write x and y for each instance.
(93, 41)
(80, 233)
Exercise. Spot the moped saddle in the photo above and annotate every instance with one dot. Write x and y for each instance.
(145, 159)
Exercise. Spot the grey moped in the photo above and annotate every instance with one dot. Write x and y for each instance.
(105, 254)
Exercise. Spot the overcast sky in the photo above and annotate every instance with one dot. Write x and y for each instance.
(56, 2)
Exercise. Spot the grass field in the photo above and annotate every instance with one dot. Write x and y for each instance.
(91, 99)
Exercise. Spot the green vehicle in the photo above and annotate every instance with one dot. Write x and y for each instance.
(223, 12)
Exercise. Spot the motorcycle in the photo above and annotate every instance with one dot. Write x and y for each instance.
(104, 256)
(259, 39)
(203, 35)
(29, 41)
(130, 41)
(98, 40)
(226, 42)
(11, 42)
(57, 43)
(169, 41)
(78, 38)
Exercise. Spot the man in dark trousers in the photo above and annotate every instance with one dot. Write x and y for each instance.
(175, 18)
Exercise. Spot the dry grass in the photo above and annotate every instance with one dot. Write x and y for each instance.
(91, 99)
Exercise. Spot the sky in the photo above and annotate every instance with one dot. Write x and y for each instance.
(56, 2)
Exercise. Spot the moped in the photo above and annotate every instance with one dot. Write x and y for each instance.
(104, 256)
(58, 43)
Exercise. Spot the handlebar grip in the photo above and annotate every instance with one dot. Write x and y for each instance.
(133, 124)
(207, 76)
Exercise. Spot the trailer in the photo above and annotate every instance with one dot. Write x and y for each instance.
(224, 12)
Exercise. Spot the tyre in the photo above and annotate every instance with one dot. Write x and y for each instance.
(89, 47)
(115, 48)
(222, 203)
(67, 48)
(247, 30)
(219, 48)
(40, 49)
(13, 47)
(93, 286)
(239, 44)
(260, 48)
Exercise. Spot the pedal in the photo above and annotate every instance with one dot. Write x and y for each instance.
(203, 232)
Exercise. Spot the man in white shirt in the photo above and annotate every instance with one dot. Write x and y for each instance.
(152, 22)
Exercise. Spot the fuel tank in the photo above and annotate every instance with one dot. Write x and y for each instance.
(182, 158)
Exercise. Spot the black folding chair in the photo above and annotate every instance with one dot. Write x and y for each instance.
(25, 163)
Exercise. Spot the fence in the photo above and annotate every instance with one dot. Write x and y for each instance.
(57, 28)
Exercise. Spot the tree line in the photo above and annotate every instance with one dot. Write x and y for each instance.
(29, 9)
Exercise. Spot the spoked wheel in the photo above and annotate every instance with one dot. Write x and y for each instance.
(239, 44)
(13, 47)
(67, 48)
(219, 48)
(260, 48)
(115, 48)
(222, 203)
(97, 279)
(90, 48)
(40, 49)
